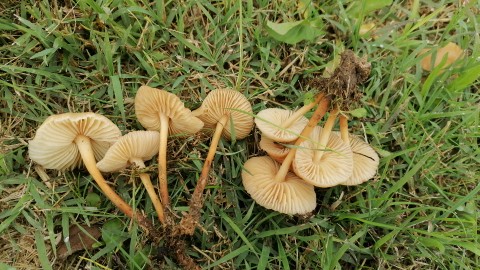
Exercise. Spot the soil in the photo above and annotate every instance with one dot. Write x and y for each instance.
(342, 86)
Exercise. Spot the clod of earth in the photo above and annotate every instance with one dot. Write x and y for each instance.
(133, 149)
(342, 86)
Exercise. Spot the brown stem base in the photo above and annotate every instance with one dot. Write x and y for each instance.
(188, 222)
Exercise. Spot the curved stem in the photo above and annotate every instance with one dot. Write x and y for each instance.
(196, 202)
(150, 189)
(312, 123)
(344, 129)
(303, 110)
(85, 148)
(325, 135)
(162, 161)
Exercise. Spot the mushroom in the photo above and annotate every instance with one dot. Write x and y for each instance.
(365, 159)
(365, 162)
(452, 52)
(289, 195)
(323, 164)
(135, 148)
(231, 114)
(162, 111)
(66, 140)
(284, 125)
(277, 151)
(273, 186)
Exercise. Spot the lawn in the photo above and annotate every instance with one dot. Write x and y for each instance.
(420, 211)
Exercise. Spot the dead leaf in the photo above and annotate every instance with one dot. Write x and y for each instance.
(79, 239)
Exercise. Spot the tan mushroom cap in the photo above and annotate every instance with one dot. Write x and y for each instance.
(451, 51)
(134, 145)
(227, 101)
(269, 121)
(292, 196)
(334, 167)
(277, 151)
(53, 146)
(365, 161)
(149, 102)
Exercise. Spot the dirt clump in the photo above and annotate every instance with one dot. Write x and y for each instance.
(342, 86)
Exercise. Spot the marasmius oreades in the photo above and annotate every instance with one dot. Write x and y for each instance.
(133, 149)
(164, 112)
(66, 141)
(273, 186)
(228, 113)
(342, 87)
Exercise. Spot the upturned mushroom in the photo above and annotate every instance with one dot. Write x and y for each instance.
(365, 159)
(133, 149)
(277, 151)
(159, 110)
(65, 141)
(230, 113)
(323, 164)
(273, 186)
(284, 125)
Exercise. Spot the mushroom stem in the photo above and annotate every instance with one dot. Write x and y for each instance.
(325, 135)
(150, 189)
(162, 161)
(303, 110)
(316, 117)
(344, 129)
(196, 202)
(85, 148)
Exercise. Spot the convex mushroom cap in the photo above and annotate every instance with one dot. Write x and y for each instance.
(136, 145)
(229, 102)
(150, 102)
(291, 196)
(135, 148)
(270, 122)
(451, 51)
(334, 166)
(54, 146)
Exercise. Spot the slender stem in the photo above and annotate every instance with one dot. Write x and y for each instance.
(344, 129)
(300, 112)
(196, 202)
(150, 189)
(325, 135)
(162, 161)
(85, 148)
(312, 123)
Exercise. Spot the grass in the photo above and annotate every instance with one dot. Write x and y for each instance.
(421, 211)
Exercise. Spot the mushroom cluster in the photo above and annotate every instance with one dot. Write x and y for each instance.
(68, 140)
(302, 155)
